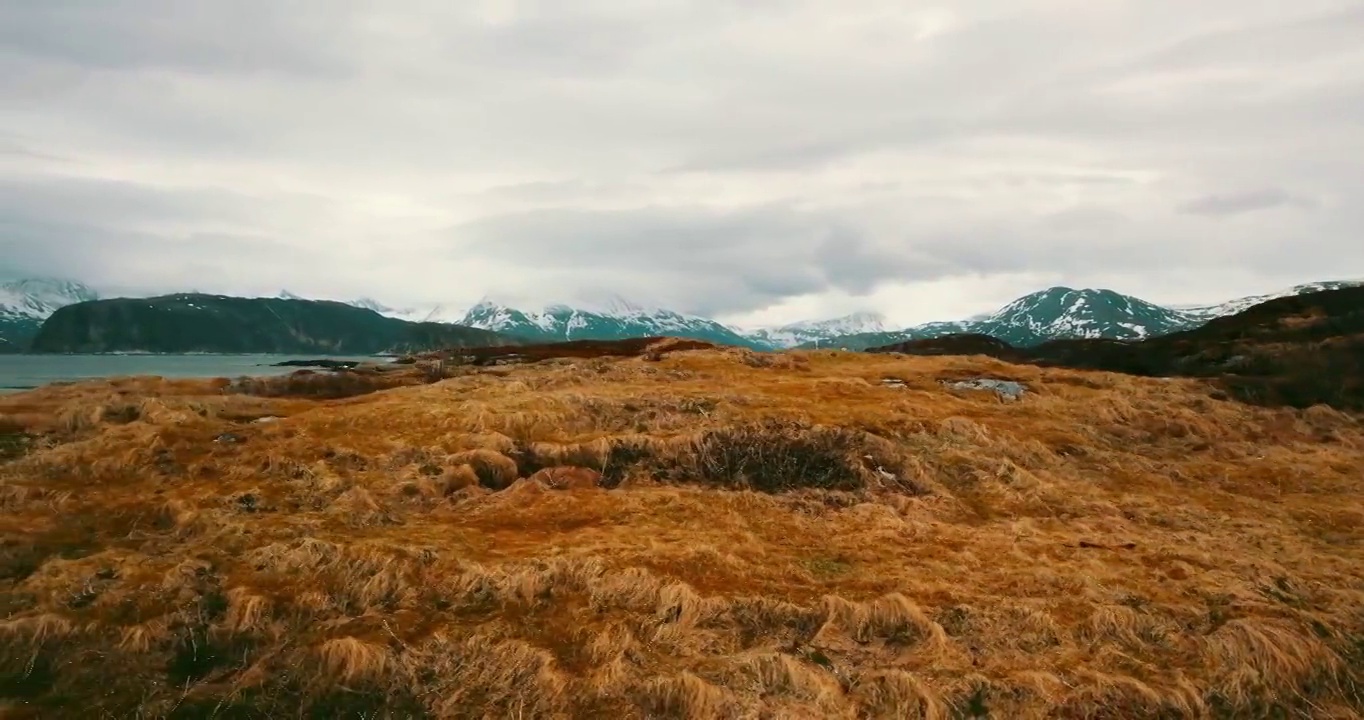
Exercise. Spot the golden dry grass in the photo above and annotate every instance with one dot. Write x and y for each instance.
(748, 537)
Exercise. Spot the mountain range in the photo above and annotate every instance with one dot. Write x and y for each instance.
(1054, 313)
(203, 323)
(1057, 312)
(1297, 351)
(616, 319)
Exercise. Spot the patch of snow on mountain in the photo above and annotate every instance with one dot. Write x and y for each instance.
(38, 298)
(1231, 307)
(410, 314)
(814, 331)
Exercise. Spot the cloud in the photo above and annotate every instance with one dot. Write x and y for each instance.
(783, 156)
(1238, 203)
(247, 36)
(751, 256)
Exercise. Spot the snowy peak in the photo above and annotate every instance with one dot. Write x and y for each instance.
(372, 304)
(1062, 312)
(1203, 313)
(434, 313)
(612, 318)
(489, 315)
(818, 331)
(613, 305)
(409, 314)
(854, 323)
(26, 302)
(1056, 312)
(38, 298)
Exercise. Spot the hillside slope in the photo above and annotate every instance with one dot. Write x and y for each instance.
(1297, 350)
(221, 324)
(704, 534)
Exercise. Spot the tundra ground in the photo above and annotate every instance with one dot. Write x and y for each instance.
(695, 534)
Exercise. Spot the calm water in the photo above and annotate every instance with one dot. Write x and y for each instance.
(23, 372)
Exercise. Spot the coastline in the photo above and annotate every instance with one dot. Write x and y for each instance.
(23, 372)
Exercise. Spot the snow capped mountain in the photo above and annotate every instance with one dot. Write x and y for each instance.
(1062, 312)
(612, 319)
(40, 297)
(818, 331)
(615, 306)
(862, 341)
(1203, 313)
(1058, 312)
(412, 314)
(372, 304)
(25, 303)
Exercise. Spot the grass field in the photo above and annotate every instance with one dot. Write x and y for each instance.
(706, 534)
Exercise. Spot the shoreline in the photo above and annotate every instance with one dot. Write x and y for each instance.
(29, 372)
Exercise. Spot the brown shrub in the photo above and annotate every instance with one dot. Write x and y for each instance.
(327, 385)
(770, 456)
(494, 470)
(775, 456)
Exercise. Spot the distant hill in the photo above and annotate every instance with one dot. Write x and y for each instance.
(1296, 350)
(221, 324)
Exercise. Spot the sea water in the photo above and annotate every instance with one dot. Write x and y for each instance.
(25, 372)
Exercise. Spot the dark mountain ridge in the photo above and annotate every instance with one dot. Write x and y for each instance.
(1298, 351)
(192, 322)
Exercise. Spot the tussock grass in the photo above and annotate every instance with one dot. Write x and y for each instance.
(709, 533)
(334, 384)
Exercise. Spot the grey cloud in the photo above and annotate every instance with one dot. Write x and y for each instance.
(741, 260)
(808, 154)
(1238, 203)
(1267, 42)
(110, 256)
(16, 149)
(194, 35)
(851, 264)
(764, 253)
(109, 203)
(114, 233)
(722, 157)
(1085, 220)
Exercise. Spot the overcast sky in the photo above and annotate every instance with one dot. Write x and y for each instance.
(761, 161)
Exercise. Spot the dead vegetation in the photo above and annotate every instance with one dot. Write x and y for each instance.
(331, 384)
(652, 348)
(692, 535)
